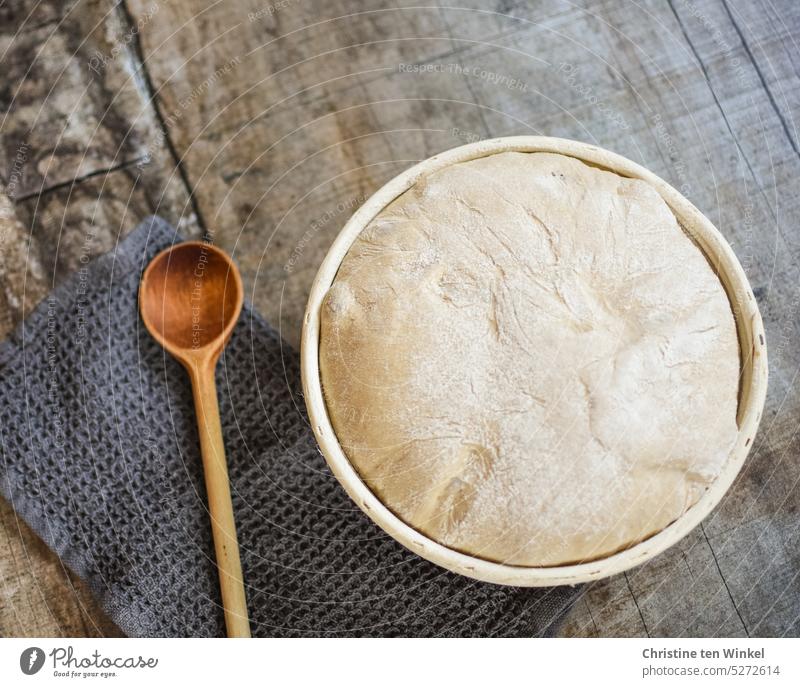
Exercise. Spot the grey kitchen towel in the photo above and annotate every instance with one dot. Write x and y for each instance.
(100, 455)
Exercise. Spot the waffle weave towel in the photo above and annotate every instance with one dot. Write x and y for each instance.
(100, 456)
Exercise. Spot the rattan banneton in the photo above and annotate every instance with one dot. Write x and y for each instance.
(752, 388)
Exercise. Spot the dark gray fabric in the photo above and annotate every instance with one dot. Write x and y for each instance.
(100, 456)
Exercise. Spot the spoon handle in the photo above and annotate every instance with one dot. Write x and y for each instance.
(223, 526)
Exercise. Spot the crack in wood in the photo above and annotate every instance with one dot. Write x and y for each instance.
(761, 78)
(129, 20)
(703, 68)
(76, 180)
(486, 132)
(636, 603)
(591, 616)
(724, 581)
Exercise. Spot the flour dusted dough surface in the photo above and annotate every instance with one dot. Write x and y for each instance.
(527, 360)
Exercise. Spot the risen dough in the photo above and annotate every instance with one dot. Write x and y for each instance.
(528, 360)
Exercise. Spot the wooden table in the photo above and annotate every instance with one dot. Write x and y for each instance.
(266, 124)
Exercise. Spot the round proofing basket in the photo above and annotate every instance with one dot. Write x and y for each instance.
(752, 389)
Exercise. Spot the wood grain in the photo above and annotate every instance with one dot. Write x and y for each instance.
(267, 124)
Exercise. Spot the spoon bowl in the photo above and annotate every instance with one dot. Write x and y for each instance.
(191, 296)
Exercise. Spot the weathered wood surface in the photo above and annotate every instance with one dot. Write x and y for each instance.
(266, 124)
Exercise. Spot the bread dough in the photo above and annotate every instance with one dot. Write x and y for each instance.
(528, 360)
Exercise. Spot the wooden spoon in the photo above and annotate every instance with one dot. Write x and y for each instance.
(190, 298)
